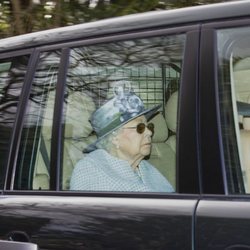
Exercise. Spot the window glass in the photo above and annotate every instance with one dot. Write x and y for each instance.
(12, 73)
(113, 91)
(234, 86)
(34, 153)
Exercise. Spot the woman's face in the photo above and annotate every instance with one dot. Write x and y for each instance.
(130, 143)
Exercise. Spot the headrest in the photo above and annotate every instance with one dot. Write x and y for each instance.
(171, 111)
(246, 123)
(79, 109)
(161, 129)
(171, 142)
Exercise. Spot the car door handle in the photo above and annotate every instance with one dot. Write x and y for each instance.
(18, 236)
(14, 245)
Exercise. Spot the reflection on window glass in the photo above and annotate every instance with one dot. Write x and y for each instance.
(12, 73)
(34, 154)
(120, 115)
(234, 86)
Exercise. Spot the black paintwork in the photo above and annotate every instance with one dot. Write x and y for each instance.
(99, 223)
(62, 220)
(223, 224)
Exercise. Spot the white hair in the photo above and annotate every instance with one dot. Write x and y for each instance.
(106, 143)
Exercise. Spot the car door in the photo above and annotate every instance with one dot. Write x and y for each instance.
(223, 214)
(51, 129)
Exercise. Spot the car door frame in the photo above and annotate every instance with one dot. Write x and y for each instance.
(222, 219)
(186, 198)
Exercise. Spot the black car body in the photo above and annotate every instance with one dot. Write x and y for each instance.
(200, 55)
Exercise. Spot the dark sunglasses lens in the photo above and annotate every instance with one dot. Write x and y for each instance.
(151, 127)
(140, 128)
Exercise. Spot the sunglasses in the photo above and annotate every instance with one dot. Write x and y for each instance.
(140, 128)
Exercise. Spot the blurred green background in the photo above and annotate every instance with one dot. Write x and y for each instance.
(25, 16)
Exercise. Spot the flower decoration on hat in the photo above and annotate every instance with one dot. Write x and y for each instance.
(122, 108)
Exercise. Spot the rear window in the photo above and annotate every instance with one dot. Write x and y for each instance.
(12, 74)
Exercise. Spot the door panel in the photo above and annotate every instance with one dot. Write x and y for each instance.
(121, 220)
(223, 221)
(223, 225)
(99, 223)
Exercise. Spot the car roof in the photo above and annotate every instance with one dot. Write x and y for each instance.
(127, 23)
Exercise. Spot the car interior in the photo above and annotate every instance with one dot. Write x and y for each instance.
(163, 152)
(78, 134)
(241, 80)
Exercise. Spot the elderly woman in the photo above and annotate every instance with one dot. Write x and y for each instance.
(116, 161)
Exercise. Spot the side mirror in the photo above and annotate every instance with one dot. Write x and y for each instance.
(14, 245)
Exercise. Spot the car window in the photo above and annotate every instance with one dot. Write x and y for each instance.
(148, 69)
(234, 87)
(33, 160)
(12, 74)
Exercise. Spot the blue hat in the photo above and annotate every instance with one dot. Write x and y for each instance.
(122, 108)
